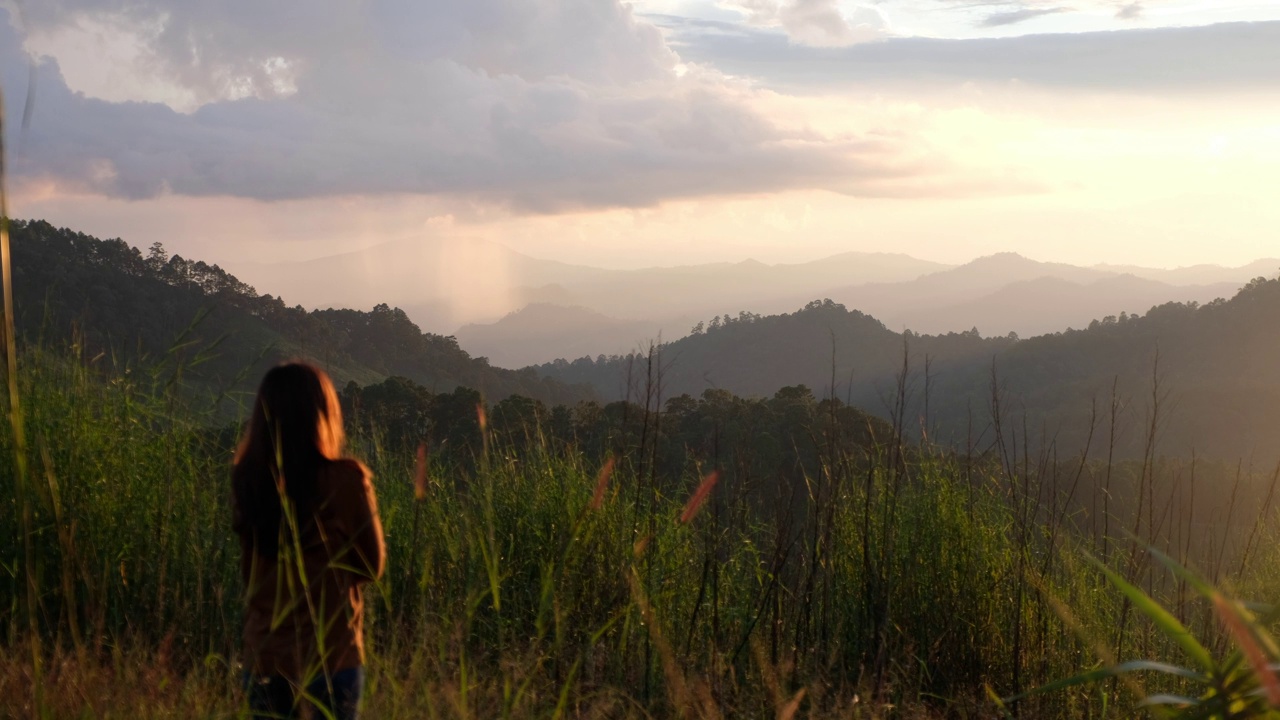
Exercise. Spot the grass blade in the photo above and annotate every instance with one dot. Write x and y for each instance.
(1167, 623)
(1109, 672)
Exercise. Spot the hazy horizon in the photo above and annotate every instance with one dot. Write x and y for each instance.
(804, 259)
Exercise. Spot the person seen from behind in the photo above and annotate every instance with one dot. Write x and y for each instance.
(310, 539)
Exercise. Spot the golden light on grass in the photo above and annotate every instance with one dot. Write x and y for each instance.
(641, 545)
(420, 474)
(791, 708)
(17, 423)
(1250, 646)
(695, 503)
(602, 483)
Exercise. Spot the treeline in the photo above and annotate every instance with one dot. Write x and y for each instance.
(771, 443)
(1206, 373)
(767, 449)
(110, 299)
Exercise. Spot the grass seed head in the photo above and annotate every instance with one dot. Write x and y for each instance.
(700, 495)
(602, 483)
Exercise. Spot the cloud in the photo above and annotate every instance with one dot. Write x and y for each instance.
(1130, 11)
(818, 23)
(534, 105)
(210, 45)
(1184, 59)
(1003, 13)
(1012, 17)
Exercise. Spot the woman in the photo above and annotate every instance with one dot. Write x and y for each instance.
(310, 538)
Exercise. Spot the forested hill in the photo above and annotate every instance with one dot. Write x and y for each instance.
(112, 299)
(1218, 369)
(1215, 369)
(754, 356)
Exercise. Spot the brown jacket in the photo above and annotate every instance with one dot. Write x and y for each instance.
(305, 618)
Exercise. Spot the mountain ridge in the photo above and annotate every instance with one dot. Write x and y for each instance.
(469, 288)
(105, 297)
(1214, 361)
(996, 294)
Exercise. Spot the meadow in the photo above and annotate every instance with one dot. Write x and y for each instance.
(662, 555)
(898, 580)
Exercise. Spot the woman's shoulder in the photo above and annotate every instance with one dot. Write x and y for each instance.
(347, 471)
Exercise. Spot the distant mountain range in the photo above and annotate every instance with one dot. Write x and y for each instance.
(519, 310)
(444, 284)
(1199, 274)
(1216, 360)
(1215, 364)
(996, 295)
(1005, 293)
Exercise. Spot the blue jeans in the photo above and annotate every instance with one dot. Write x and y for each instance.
(275, 698)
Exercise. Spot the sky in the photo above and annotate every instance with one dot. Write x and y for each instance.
(658, 132)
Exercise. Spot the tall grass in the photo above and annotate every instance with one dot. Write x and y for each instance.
(898, 580)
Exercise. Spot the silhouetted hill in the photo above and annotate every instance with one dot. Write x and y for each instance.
(1218, 368)
(974, 279)
(109, 298)
(474, 289)
(997, 295)
(1219, 378)
(754, 356)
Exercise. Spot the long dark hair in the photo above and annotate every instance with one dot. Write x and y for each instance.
(295, 429)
